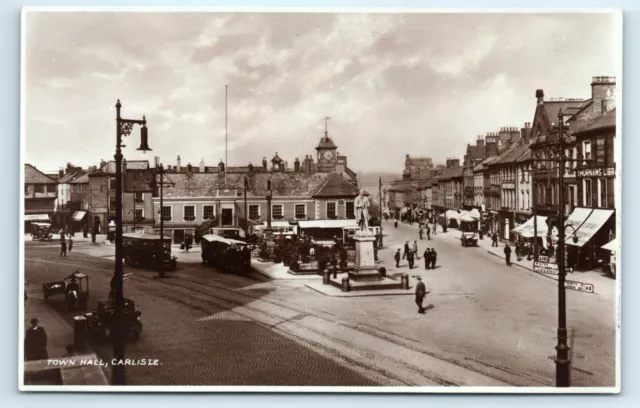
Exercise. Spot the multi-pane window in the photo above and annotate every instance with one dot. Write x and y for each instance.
(301, 211)
(207, 212)
(587, 192)
(112, 204)
(189, 213)
(602, 190)
(26, 190)
(277, 211)
(586, 149)
(139, 214)
(351, 211)
(112, 184)
(331, 210)
(600, 151)
(138, 197)
(51, 188)
(166, 213)
(254, 211)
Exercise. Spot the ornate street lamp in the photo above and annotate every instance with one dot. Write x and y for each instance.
(123, 128)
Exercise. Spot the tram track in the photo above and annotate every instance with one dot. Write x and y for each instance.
(285, 319)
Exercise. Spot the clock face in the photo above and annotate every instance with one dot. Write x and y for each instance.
(328, 155)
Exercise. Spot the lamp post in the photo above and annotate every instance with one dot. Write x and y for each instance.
(159, 171)
(246, 216)
(123, 128)
(268, 232)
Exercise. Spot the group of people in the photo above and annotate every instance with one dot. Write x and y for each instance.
(411, 254)
(422, 230)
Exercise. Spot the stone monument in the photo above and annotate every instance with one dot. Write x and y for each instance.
(365, 268)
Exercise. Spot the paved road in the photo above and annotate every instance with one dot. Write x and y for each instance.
(486, 317)
(197, 336)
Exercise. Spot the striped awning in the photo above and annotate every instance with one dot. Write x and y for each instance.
(78, 215)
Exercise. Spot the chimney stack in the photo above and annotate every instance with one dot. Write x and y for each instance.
(202, 166)
(178, 164)
(540, 96)
(221, 168)
(189, 167)
(264, 163)
(250, 167)
(296, 165)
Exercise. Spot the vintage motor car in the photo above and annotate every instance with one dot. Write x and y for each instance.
(229, 255)
(468, 237)
(100, 321)
(144, 250)
(50, 289)
(41, 231)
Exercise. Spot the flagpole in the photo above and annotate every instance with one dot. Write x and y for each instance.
(226, 156)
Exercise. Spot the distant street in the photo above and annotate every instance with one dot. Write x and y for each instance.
(485, 320)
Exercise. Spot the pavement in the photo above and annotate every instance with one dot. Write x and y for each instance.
(59, 336)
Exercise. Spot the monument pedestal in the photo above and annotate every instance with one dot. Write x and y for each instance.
(365, 269)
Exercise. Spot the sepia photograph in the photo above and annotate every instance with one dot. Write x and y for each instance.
(320, 200)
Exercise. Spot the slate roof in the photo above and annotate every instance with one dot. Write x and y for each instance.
(335, 185)
(513, 154)
(419, 161)
(110, 167)
(525, 157)
(451, 173)
(607, 120)
(35, 176)
(570, 107)
(282, 183)
(477, 152)
(69, 177)
(485, 163)
(81, 180)
(401, 185)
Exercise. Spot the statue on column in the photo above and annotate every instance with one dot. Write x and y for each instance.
(362, 211)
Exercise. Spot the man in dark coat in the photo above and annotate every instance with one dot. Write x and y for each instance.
(63, 247)
(494, 240)
(420, 232)
(70, 243)
(427, 258)
(395, 223)
(410, 259)
(406, 249)
(507, 254)
(71, 291)
(428, 233)
(421, 292)
(35, 342)
(434, 258)
(397, 258)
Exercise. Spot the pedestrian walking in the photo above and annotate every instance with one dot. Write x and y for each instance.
(507, 254)
(35, 342)
(421, 292)
(428, 233)
(406, 250)
(85, 231)
(494, 240)
(427, 259)
(410, 259)
(397, 258)
(420, 232)
(188, 241)
(395, 223)
(63, 248)
(435, 229)
(416, 254)
(70, 243)
(434, 258)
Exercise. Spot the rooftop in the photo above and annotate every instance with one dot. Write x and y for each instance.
(34, 176)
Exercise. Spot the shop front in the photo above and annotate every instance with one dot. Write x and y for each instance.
(590, 230)
(30, 219)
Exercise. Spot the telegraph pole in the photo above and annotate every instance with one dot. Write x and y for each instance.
(381, 208)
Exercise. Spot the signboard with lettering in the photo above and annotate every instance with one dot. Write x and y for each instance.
(542, 258)
(127, 276)
(546, 267)
(596, 172)
(579, 286)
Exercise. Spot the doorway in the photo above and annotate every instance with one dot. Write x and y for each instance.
(178, 236)
(227, 216)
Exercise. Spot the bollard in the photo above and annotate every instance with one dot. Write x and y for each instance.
(325, 277)
(79, 332)
(383, 271)
(345, 285)
(404, 281)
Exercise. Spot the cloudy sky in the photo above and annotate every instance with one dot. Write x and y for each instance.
(393, 84)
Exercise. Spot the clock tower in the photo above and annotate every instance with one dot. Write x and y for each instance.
(327, 153)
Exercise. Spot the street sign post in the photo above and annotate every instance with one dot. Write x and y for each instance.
(546, 267)
(579, 286)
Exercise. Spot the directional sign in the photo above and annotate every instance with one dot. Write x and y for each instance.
(582, 287)
(546, 267)
(543, 258)
(127, 276)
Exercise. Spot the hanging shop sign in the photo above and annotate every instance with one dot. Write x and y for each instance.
(579, 286)
(546, 267)
(596, 172)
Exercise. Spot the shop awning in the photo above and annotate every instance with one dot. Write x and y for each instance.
(452, 215)
(327, 224)
(404, 211)
(467, 218)
(475, 213)
(78, 215)
(611, 246)
(528, 229)
(37, 217)
(586, 229)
